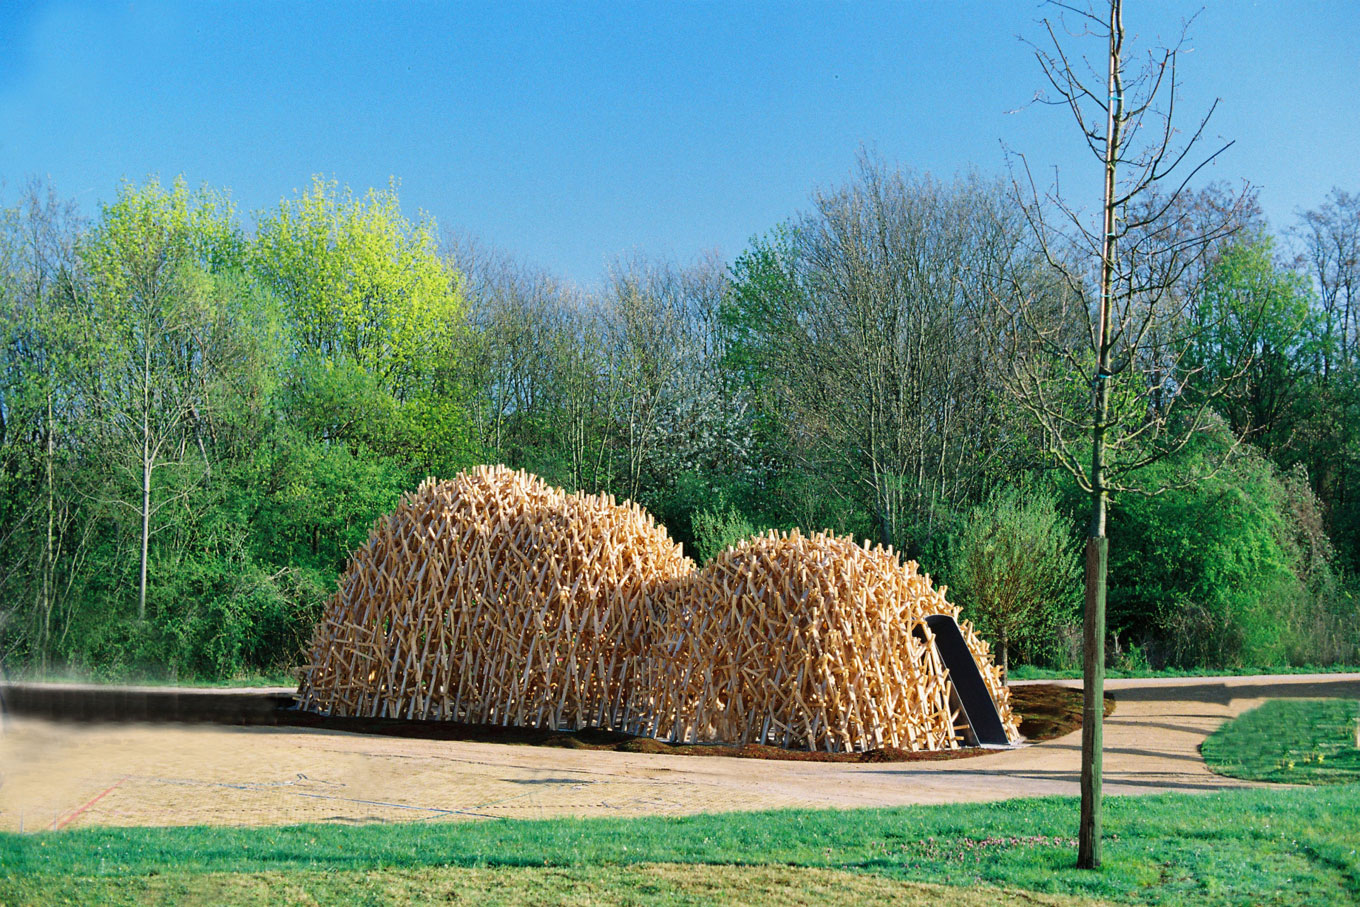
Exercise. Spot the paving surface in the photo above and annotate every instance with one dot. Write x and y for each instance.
(69, 775)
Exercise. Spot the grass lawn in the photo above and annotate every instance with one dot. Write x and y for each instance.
(1299, 741)
(1030, 672)
(1259, 846)
(651, 884)
(241, 681)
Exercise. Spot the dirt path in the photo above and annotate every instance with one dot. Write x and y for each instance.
(66, 775)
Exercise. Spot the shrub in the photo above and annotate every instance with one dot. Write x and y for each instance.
(1230, 570)
(717, 530)
(1015, 571)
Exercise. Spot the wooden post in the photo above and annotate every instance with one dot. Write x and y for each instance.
(1093, 703)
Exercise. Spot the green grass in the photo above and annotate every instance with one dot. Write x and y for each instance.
(1259, 846)
(1298, 741)
(652, 884)
(238, 682)
(1030, 672)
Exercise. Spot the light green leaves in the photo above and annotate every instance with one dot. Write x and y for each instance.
(358, 281)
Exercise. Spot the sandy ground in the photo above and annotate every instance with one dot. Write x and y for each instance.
(68, 775)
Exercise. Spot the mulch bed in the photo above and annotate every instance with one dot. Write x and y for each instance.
(1046, 711)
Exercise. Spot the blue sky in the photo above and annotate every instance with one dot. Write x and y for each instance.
(571, 133)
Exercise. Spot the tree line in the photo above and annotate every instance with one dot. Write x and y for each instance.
(198, 422)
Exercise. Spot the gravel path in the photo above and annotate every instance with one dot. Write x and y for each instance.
(67, 775)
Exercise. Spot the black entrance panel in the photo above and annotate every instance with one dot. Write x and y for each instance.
(978, 708)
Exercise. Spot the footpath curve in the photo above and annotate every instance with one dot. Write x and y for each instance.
(59, 774)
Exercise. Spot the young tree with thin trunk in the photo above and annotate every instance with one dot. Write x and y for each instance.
(1102, 333)
(149, 259)
(1015, 569)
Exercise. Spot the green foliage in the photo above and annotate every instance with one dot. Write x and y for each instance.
(858, 329)
(716, 531)
(1326, 442)
(1015, 571)
(267, 461)
(242, 566)
(339, 402)
(360, 282)
(212, 616)
(705, 512)
(277, 393)
(150, 231)
(312, 503)
(374, 318)
(762, 306)
(1214, 573)
(1250, 305)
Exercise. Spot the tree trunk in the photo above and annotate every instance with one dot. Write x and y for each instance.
(1097, 545)
(146, 480)
(49, 556)
(1093, 703)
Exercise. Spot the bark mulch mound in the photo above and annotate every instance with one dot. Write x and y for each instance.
(1046, 711)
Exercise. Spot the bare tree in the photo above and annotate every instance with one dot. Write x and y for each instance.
(1101, 350)
(1331, 237)
(539, 358)
(39, 280)
(645, 309)
(705, 412)
(870, 330)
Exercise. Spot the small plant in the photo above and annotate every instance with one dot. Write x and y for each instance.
(1132, 660)
(717, 530)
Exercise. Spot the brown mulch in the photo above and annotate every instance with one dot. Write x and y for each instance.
(1046, 711)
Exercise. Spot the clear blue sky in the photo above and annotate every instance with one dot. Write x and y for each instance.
(570, 133)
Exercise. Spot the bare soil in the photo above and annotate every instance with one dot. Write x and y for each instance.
(65, 774)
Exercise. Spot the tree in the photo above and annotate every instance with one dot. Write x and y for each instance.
(1331, 237)
(645, 312)
(357, 281)
(704, 413)
(1102, 361)
(859, 327)
(1231, 571)
(537, 358)
(40, 327)
(1258, 334)
(373, 317)
(1015, 568)
(151, 258)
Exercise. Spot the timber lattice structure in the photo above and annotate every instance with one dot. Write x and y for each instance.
(493, 598)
